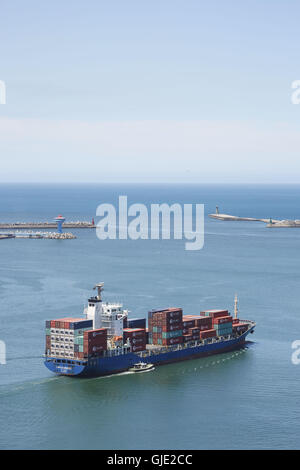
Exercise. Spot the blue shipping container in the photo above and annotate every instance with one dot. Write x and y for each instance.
(136, 322)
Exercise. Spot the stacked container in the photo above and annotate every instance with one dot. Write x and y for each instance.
(187, 338)
(208, 334)
(221, 321)
(165, 326)
(137, 338)
(239, 328)
(199, 321)
(65, 337)
(94, 342)
(215, 313)
(223, 325)
(194, 332)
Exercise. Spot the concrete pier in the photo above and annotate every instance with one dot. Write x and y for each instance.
(44, 225)
(235, 218)
(40, 235)
(271, 223)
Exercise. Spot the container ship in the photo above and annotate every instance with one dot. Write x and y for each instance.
(106, 341)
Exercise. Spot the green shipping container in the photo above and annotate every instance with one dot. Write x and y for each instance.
(171, 334)
(78, 339)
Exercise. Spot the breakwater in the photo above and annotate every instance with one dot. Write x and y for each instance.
(39, 235)
(270, 223)
(235, 218)
(43, 225)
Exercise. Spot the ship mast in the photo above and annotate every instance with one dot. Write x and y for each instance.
(99, 287)
(236, 306)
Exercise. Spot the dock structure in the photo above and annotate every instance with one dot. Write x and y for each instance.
(270, 223)
(39, 235)
(44, 225)
(235, 218)
(284, 224)
(7, 235)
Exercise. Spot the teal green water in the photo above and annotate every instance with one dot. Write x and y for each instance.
(246, 399)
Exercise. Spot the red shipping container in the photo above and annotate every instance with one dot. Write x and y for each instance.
(188, 323)
(137, 341)
(134, 331)
(194, 330)
(167, 314)
(90, 349)
(207, 334)
(78, 355)
(98, 333)
(172, 341)
(95, 337)
(235, 321)
(216, 313)
(205, 322)
(139, 348)
(187, 338)
(165, 321)
(221, 320)
(206, 327)
(172, 328)
(239, 328)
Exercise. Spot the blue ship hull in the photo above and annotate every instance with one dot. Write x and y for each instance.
(96, 367)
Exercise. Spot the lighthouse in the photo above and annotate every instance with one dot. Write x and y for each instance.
(59, 220)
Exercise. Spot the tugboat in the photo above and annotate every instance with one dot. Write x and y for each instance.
(141, 367)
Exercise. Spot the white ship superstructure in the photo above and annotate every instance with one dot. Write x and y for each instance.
(106, 315)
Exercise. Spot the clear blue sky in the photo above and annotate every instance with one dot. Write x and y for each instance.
(154, 90)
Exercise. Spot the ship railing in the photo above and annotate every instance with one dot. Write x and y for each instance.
(251, 322)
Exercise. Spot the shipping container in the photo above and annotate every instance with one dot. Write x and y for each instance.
(223, 330)
(171, 334)
(79, 355)
(215, 313)
(136, 323)
(172, 341)
(208, 334)
(134, 333)
(48, 342)
(188, 323)
(187, 338)
(222, 320)
(138, 348)
(194, 330)
(239, 328)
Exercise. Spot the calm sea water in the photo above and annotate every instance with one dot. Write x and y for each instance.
(247, 399)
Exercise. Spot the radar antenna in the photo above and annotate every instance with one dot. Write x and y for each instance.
(99, 287)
